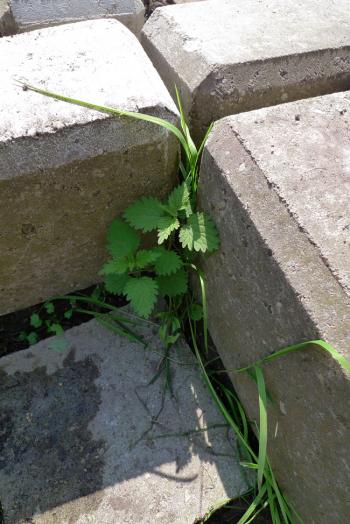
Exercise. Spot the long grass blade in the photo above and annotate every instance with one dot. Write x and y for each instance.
(254, 506)
(113, 111)
(344, 363)
(262, 424)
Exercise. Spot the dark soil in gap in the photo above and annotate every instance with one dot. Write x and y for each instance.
(13, 324)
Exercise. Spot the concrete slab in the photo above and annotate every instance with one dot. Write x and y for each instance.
(36, 14)
(87, 439)
(231, 56)
(277, 183)
(65, 171)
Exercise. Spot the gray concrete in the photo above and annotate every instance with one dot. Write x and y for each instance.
(230, 56)
(65, 171)
(86, 438)
(7, 23)
(36, 14)
(277, 183)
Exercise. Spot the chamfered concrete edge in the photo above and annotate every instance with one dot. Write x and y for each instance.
(270, 214)
(320, 309)
(134, 20)
(206, 98)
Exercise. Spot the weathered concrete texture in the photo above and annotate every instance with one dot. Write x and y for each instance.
(86, 437)
(231, 56)
(277, 183)
(7, 23)
(65, 171)
(36, 14)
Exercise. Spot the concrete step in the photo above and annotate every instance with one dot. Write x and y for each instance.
(86, 438)
(230, 56)
(66, 171)
(18, 16)
(277, 183)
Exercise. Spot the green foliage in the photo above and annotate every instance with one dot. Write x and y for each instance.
(142, 293)
(166, 267)
(122, 240)
(199, 234)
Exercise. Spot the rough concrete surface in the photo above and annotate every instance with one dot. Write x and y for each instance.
(66, 171)
(277, 183)
(7, 23)
(85, 437)
(231, 56)
(36, 14)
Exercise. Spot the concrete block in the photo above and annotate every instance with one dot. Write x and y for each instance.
(87, 439)
(65, 171)
(277, 183)
(230, 56)
(36, 14)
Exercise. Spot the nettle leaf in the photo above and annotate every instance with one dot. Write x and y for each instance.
(122, 240)
(50, 308)
(168, 262)
(35, 320)
(199, 234)
(167, 225)
(117, 265)
(145, 214)
(145, 257)
(195, 312)
(115, 283)
(179, 198)
(142, 293)
(173, 285)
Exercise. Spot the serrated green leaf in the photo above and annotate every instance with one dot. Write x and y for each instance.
(68, 314)
(142, 293)
(122, 240)
(167, 225)
(145, 257)
(199, 234)
(145, 214)
(167, 263)
(196, 312)
(115, 266)
(179, 198)
(115, 283)
(55, 328)
(50, 308)
(173, 285)
(35, 320)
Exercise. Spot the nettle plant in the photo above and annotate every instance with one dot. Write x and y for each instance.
(143, 275)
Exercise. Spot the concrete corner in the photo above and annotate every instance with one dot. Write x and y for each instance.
(231, 56)
(277, 183)
(86, 437)
(66, 171)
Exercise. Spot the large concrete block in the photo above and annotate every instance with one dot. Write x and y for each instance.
(66, 171)
(231, 56)
(87, 438)
(277, 183)
(36, 14)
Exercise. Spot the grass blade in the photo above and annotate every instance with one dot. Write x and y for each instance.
(113, 111)
(253, 507)
(262, 425)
